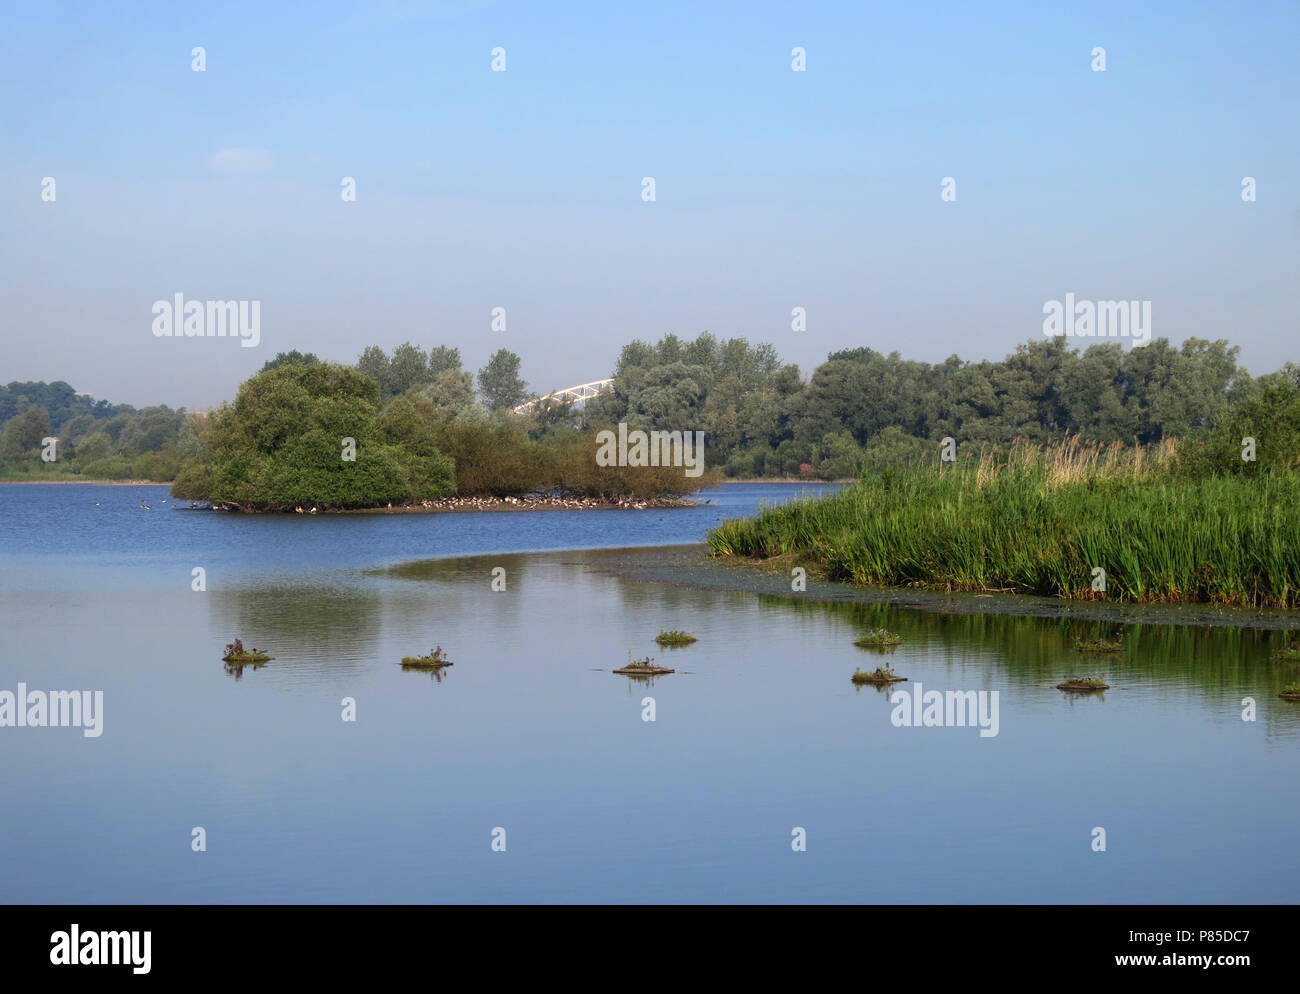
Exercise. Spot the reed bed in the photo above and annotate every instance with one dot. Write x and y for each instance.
(1038, 520)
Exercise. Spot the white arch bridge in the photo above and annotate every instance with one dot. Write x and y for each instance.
(580, 394)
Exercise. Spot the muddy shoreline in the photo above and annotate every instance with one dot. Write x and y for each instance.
(461, 505)
(692, 566)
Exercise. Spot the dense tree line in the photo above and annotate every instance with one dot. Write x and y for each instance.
(760, 417)
(96, 440)
(60, 401)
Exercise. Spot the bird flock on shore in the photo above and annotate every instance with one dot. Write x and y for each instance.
(492, 503)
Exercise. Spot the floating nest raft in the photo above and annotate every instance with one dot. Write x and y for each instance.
(878, 678)
(237, 655)
(435, 660)
(643, 667)
(1080, 685)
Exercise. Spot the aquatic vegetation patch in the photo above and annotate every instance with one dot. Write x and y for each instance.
(1084, 684)
(877, 637)
(675, 639)
(1291, 692)
(1289, 653)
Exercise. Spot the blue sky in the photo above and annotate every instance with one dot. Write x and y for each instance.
(522, 189)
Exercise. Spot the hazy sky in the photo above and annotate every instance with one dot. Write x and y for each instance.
(523, 189)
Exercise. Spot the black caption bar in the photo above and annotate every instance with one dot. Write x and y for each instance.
(151, 944)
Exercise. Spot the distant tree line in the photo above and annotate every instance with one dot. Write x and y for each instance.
(860, 409)
(96, 439)
(760, 418)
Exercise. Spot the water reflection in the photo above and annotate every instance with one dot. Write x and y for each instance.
(435, 673)
(641, 678)
(1073, 697)
(237, 669)
(1032, 652)
(556, 607)
(330, 626)
(762, 734)
(878, 650)
(882, 689)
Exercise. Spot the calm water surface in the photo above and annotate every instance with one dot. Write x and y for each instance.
(758, 732)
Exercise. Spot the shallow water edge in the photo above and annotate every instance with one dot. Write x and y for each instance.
(692, 565)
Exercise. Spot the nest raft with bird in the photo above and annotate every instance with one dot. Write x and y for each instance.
(642, 667)
(881, 676)
(238, 655)
(435, 660)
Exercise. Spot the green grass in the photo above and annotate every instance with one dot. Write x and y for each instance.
(1084, 683)
(1291, 692)
(675, 638)
(1289, 654)
(1038, 521)
(878, 637)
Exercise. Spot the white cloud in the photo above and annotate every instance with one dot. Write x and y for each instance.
(242, 160)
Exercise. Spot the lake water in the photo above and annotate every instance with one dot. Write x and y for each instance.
(759, 732)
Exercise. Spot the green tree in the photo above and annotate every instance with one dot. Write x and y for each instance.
(74, 430)
(443, 359)
(281, 444)
(1270, 418)
(23, 434)
(407, 425)
(93, 448)
(408, 368)
(151, 430)
(374, 363)
(451, 391)
(499, 382)
(293, 358)
(671, 396)
(838, 457)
